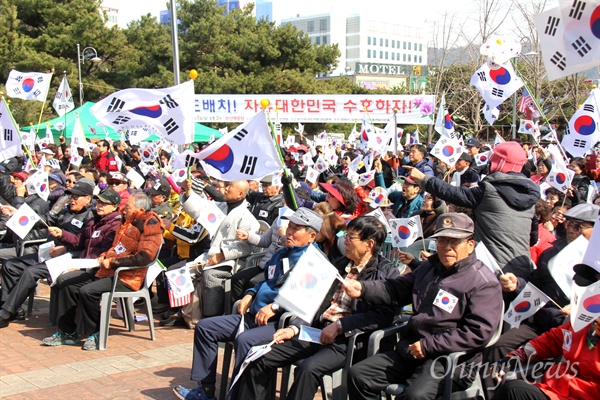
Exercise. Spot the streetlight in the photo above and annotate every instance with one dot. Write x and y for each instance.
(91, 55)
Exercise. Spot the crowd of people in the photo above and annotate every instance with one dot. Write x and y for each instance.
(94, 211)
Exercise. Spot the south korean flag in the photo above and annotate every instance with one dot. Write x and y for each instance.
(247, 152)
(405, 231)
(169, 112)
(584, 127)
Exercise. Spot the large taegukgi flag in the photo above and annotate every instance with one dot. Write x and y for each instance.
(584, 126)
(496, 85)
(28, 85)
(569, 37)
(247, 152)
(169, 112)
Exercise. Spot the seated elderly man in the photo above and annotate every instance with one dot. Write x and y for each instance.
(225, 247)
(136, 244)
(257, 309)
(20, 274)
(339, 317)
(159, 194)
(95, 238)
(457, 302)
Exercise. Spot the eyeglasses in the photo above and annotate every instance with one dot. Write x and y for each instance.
(452, 242)
(352, 238)
(577, 227)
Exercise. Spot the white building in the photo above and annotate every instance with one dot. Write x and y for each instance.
(378, 53)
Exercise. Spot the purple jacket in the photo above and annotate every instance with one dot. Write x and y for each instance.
(97, 236)
(464, 326)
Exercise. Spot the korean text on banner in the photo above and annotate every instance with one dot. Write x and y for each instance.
(411, 109)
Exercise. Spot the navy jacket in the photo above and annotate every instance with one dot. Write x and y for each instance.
(470, 323)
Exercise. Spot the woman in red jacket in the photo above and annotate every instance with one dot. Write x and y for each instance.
(577, 375)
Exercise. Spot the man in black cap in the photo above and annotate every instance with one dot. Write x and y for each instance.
(457, 302)
(473, 148)
(159, 194)
(463, 174)
(265, 205)
(23, 272)
(473, 145)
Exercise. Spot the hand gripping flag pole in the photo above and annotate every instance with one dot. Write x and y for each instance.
(44, 104)
(264, 103)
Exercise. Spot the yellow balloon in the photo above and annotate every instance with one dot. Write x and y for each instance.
(499, 41)
(264, 103)
(193, 74)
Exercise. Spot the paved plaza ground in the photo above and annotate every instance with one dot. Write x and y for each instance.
(132, 367)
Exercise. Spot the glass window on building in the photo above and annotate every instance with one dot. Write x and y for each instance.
(374, 41)
(403, 57)
(420, 59)
(324, 39)
(404, 45)
(381, 42)
(310, 26)
(369, 53)
(318, 40)
(416, 47)
(369, 40)
(386, 55)
(393, 43)
(420, 47)
(323, 25)
(409, 43)
(381, 55)
(374, 53)
(397, 43)
(386, 43)
(393, 55)
(409, 58)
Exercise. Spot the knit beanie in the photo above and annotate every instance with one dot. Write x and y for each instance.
(508, 157)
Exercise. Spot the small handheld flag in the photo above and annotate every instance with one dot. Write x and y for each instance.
(528, 302)
(405, 231)
(23, 220)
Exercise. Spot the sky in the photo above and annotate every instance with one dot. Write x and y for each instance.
(428, 13)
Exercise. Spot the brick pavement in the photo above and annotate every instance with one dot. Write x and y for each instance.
(132, 367)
